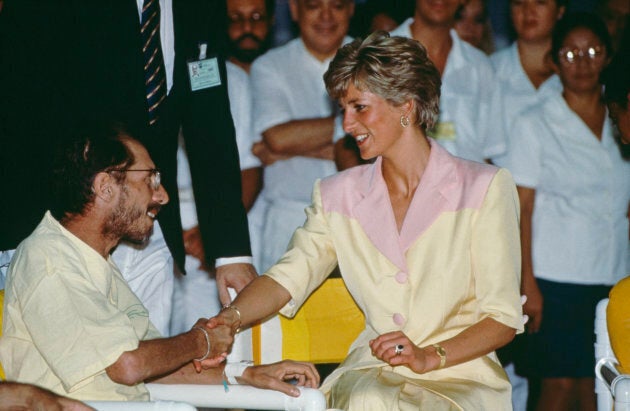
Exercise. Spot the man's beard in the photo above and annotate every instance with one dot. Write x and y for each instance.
(127, 223)
(248, 55)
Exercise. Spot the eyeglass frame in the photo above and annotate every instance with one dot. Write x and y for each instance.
(156, 175)
(597, 51)
(254, 18)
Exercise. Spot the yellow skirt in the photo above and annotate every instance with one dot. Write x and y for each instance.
(380, 389)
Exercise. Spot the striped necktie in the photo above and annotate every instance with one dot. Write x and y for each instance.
(154, 72)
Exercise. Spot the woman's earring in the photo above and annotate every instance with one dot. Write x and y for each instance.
(404, 121)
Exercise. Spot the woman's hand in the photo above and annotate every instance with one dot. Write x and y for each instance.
(384, 348)
(533, 306)
(275, 376)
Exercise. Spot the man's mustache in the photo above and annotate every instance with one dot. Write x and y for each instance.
(250, 36)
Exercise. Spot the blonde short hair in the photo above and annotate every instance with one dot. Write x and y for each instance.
(395, 68)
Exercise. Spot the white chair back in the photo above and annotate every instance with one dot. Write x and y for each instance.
(611, 387)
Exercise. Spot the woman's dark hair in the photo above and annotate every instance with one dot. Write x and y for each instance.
(96, 148)
(616, 77)
(616, 81)
(574, 20)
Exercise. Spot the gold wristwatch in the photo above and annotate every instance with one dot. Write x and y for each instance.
(441, 352)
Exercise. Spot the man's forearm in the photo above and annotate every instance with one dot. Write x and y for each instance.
(159, 357)
(186, 374)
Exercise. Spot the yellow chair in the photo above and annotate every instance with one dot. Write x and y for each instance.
(322, 330)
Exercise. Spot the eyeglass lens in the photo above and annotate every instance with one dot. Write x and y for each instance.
(571, 56)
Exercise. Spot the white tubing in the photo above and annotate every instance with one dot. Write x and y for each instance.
(238, 396)
(140, 406)
(621, 388)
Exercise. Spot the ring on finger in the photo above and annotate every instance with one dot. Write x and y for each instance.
(398, 349)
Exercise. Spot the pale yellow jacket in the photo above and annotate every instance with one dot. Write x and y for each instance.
(455, 262)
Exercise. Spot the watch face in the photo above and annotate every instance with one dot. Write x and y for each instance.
(439, 350)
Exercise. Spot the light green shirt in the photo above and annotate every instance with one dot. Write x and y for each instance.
(68, 315)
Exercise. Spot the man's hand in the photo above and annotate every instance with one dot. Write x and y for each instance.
(194, 246)
(16, 396)
(236, 276)
(276, 376)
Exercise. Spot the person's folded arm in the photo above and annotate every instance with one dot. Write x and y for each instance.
(299, 137)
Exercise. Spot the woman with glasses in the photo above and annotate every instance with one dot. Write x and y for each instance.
(574, 192)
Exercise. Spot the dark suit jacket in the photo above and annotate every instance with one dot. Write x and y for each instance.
(64, 61)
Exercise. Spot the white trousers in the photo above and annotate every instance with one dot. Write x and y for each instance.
(282, 218)
(149, 271)
(520, 388)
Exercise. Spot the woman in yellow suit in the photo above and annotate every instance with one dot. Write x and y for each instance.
(427, 244)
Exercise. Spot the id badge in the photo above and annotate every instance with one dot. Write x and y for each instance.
(204, 73)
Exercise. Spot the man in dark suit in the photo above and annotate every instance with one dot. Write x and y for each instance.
(62, 62)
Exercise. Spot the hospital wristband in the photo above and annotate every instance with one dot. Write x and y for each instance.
(235, 369)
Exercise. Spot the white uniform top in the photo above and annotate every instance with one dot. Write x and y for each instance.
(468, 88)
(287, 85)
(580, 224)
(517, 91)
(240, 94)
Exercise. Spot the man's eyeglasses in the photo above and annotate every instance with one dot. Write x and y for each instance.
(156, 176)
(253, 18)
(571, 56)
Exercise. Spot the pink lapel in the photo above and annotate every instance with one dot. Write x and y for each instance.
(374, 213)
(431, 197)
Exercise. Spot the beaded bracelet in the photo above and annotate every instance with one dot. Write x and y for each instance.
(205, 333)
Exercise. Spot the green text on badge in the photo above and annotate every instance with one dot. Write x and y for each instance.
(204, 74)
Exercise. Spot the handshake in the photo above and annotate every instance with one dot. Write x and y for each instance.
(218, 336)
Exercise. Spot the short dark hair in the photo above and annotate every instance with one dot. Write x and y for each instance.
(574, 20)
(615, 77)
(270, 7)
(616, 80)
(95, 148)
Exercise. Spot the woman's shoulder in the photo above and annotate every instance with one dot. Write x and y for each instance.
(346, 179)
(341, 191)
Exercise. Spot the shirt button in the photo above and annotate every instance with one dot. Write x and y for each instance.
(399, 319)
(401, 277)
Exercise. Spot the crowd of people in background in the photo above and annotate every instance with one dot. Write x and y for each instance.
(239, 131)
